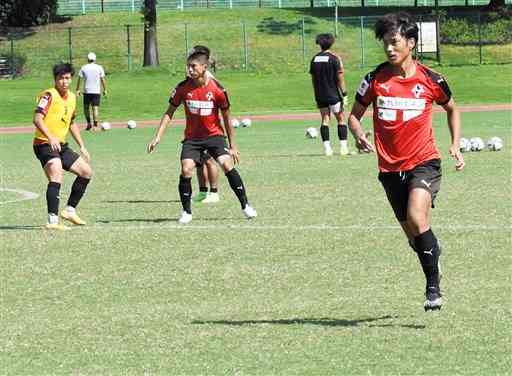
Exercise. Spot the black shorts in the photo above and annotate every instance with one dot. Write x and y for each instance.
(328, 102)
(194, 149)
(398, 185)
(44, 153)
(204, 157)
(91, 99)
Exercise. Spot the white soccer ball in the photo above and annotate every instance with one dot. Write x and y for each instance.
(246, 122)
(477, 144)
(465, 145)
(311, 132)
(235, 123)
(105, 126)
(495, 144)
(131, 124)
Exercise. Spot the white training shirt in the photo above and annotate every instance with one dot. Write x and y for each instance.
(91, 73)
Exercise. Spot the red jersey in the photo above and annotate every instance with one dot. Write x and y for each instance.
(402, 115)
(202, 104)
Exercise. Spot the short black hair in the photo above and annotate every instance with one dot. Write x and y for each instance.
(199, 55)
(325, 41)
(63, 68)
(401, 23)
(200, 48)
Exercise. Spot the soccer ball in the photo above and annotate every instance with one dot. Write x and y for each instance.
(477, 144)
(105, 126)
(311, 132)
(131, 124)
(246, 122)
(235, 123)
(465, 145)
(495, 144)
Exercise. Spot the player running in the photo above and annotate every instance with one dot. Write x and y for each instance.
(203, 97)
(402, 92)
(54, 118)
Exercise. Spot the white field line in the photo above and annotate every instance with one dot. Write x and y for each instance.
(25, 195)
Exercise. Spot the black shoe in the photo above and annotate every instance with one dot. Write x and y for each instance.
(434, 299)
(89, 127)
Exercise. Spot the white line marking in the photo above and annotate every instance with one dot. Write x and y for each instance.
(25, 195)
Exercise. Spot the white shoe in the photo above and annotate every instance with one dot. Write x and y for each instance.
(249, 212)
(185, 218)
(328, 151)
(344, 150)
(211, 198)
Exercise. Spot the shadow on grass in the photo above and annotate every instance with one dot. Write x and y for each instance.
(324, 321)
(20, 227)
(129, 220)
(139, 201)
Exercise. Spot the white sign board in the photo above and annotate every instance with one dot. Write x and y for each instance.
(427, 38)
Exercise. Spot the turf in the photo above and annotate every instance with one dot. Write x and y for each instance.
(322, 282)
(144, 95)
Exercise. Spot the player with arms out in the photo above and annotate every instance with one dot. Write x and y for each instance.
(402, 92)
(202, 98)
(328, 80)
(54, 118)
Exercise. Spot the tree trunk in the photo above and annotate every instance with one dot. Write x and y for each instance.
(150, 41)
(496, 4)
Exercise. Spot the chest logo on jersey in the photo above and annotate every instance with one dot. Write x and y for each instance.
(397, 103)
(321, 59)
(203, 108)
(385, 87)
(209, 95)
(418, 90)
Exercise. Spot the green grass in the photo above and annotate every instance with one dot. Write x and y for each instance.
(144, 95)
(322, 282)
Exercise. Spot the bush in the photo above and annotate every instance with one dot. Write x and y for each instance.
(16, 13)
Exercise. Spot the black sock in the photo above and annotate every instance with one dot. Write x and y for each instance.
(52, 197)
(203, 189)
(342, 132)
(236, 184)
(185, 189)
(427, 248)
(77, 191)
(324, 133)
(95, 123)
(88, 118)
(213, 190)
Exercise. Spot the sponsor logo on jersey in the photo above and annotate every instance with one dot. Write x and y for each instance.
(321, 59)
(387, 115)
(199, 104)
(398, 103)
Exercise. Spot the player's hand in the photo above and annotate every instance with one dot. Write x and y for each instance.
(85, 154)
(78, 93)
(152, 145)
(345, 102)
(54, 143)
(364, 144)
(457, 155)
(235, 154)
(105, 93)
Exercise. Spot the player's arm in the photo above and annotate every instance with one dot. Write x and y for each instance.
(104, 85)
(453, 117)
(75, 133)
(164, 122)
(233, 149)
(78, 86)
(354, 122)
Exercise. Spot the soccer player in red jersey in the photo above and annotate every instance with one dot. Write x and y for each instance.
(402, 92)
(203, 97)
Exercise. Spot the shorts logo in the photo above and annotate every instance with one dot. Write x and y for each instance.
(424, 182)
(363, 87)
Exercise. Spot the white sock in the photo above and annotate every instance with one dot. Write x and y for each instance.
(343, 143)
(53, 219)
(327, 144)
(70, 209)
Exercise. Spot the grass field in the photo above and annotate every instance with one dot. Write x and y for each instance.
(144, 95)
(321, 283)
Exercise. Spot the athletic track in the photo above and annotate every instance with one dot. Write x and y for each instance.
(271, 117)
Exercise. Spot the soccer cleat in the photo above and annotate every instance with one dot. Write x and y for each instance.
(250, 212)
(328, 151)
(57, 226)
(88, 128)
(344, 150)
(200, 196)
(185, 218)
(434, 299)
(72, 217)
(211, 198)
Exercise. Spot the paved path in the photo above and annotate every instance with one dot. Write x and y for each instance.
(272, 117)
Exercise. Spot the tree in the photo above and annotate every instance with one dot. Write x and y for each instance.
(496, 4)
(150, 42)
(22, 13)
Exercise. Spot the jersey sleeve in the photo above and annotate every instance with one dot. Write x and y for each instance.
(442, 92)
(43, 104)
(365, 93)
(81, 73)
(176, 96)
(338, 65)
(102, 72)
(222, 99)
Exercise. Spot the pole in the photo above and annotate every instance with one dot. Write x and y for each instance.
(186, 39)
(362, 41)
(480, 37)
(438, 41)
(70, 46)
(83, 6)
(246, 52)
(303, 43)
(336, 19)
(13, 63)
(133, 6)
(128, 41)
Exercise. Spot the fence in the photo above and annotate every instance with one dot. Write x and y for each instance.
(94, 6)
(267, 46)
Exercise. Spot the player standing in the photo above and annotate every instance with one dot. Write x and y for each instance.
(54, 118)
(402, 92)
(327, 75)
(203, 97)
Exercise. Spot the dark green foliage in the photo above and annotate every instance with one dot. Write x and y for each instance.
(15, 13)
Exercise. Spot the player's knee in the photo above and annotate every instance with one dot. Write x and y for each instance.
(417, 221)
